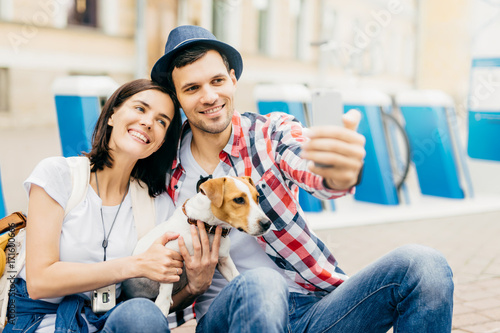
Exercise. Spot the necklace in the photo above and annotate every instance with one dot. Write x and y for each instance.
(105, 240)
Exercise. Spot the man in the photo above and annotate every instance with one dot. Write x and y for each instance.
(289, 280)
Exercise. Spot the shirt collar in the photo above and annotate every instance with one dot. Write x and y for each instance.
(234, 145)
(184, 130)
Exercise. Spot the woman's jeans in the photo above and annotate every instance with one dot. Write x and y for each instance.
(410, 289)
(136, 315)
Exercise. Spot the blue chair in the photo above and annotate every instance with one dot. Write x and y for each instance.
(378, 184)
(293, 99)
(3, 209)
(484, 111)
(434, 151)
(79, 100)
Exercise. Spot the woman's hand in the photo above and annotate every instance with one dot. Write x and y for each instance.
(159, 263)
(200, 266)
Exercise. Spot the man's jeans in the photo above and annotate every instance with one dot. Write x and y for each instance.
(136, 315)
(410, 288)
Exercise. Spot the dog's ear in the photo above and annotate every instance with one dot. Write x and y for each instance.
(248, 179)
(214, 190)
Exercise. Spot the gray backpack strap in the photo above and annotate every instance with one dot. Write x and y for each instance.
(143, 207)
(80, 178)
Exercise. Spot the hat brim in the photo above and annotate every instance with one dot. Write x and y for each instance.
(159, 73)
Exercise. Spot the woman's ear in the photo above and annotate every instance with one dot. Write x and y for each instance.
(110, 120)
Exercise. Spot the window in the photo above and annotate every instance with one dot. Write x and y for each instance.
(299, 12)
(227, 21)
(219, 26)
(83, 12)
(4, 90)
(262, 7)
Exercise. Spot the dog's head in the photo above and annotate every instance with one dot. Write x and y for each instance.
(235, 201)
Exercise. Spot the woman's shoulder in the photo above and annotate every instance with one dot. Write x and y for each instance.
(53, 174)
(53, 163)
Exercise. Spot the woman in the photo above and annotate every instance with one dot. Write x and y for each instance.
(89, 248)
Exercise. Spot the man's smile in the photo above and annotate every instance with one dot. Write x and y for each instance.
(213, 110)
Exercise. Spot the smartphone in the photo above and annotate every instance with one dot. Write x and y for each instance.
(327, 107)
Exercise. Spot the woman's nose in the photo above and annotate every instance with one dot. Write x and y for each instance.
(147, 120)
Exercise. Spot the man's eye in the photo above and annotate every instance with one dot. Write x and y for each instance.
(192, 88)
(239, 200)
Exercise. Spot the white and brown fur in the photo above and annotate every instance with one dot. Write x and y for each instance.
(231, 202)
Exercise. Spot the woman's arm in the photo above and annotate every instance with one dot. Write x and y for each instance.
(48, 277)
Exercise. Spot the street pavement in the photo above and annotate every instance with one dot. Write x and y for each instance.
(470, 240)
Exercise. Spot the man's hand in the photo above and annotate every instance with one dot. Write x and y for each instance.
(337, 152)
(200, 266)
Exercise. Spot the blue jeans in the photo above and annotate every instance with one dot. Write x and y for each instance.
(255, 301)
(410, 289)
(136, 315)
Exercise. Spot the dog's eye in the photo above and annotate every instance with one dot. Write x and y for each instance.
(239, 200)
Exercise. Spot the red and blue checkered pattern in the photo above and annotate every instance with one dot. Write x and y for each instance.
(267, 148)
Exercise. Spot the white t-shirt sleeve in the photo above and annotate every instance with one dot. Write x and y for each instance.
(164, 207)
(53, 174)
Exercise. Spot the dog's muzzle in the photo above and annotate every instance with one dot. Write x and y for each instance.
(265, 224)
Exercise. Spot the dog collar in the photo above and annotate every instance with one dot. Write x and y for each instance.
(209, 228)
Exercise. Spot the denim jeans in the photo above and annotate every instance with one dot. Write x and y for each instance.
(255, 301)
(410, 289)
(136, 315)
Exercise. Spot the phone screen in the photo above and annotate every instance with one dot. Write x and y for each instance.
(327, 107)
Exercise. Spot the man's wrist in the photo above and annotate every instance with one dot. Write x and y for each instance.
(330, 186)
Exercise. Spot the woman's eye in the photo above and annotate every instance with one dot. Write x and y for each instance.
(162, 122)
(239, 200)
(139, 108)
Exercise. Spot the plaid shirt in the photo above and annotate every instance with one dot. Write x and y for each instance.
(267, 148)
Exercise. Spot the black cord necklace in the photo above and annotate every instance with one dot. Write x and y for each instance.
(105, 240)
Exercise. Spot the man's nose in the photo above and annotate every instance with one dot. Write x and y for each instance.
(210, 96)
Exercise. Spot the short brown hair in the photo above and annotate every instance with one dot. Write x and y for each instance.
(189, 56)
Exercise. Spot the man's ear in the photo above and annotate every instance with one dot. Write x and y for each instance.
(233, 76)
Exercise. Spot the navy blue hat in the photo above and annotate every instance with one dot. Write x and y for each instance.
(186, 35)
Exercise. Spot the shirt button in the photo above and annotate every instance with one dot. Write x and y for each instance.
(176, 187)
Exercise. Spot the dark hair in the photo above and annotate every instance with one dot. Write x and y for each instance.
(190, 55)
(152, 169)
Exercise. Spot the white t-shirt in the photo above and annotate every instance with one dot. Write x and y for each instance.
(245, 250)
(82, 228)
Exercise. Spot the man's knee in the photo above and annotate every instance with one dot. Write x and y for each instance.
(266, 279)
(429, 266)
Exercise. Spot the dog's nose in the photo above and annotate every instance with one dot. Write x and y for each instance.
(265, 224)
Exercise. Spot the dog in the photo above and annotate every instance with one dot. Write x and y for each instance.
(231, 202)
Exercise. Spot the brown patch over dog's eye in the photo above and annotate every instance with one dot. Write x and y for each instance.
(239, 200)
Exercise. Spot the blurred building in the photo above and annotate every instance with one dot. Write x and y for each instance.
(385, 44)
